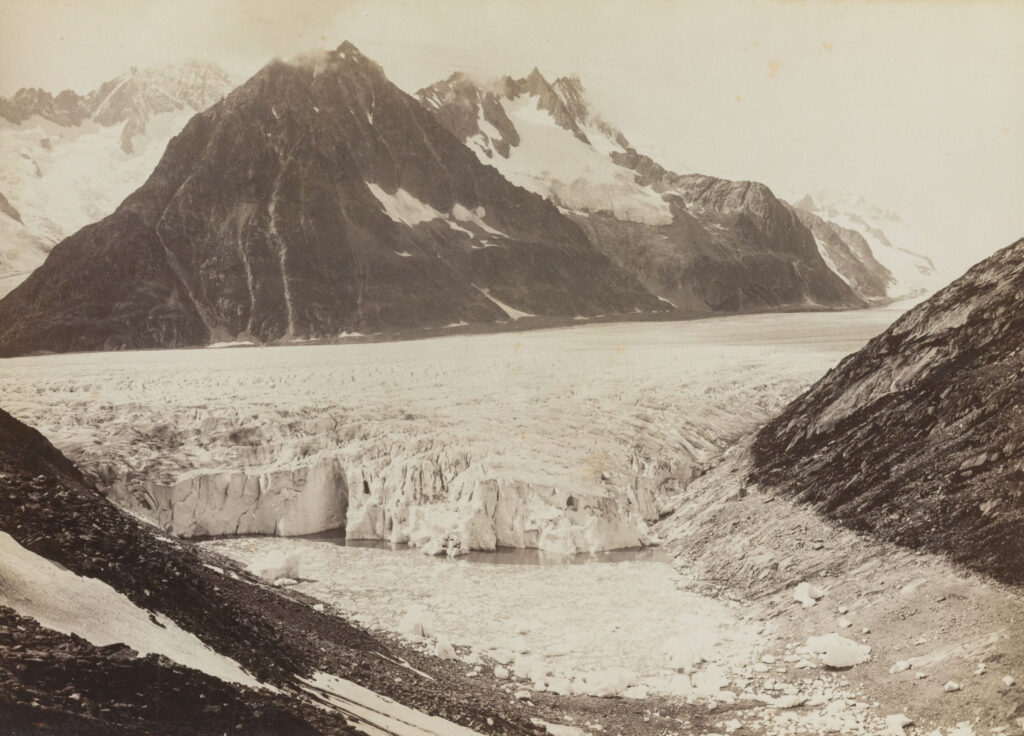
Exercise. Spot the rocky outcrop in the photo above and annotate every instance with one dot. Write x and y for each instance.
(700, 243)
(916, 437)
(316, 199)
(849, 255)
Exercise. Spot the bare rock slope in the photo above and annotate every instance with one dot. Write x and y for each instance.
(917, 437)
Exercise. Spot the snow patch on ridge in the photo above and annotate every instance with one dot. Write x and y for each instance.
(71, 604)
(403, 207)
(513, 313)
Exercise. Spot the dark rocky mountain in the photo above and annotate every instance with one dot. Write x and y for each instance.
(917, 437)
(132, 98)
(701, 243)
(314, 200)
(849, 255)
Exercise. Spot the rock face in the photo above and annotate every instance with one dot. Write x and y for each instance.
(316, 199)
(698, 242)
(849, 255)
(67, 161)
(917, 437)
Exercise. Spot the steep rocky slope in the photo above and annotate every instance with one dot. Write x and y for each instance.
(68, 160)
(917, 437)
(316, 199)
(890, 240)
(698, 242)
(849, 255)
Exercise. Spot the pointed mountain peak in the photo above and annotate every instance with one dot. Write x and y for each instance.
(535, 83)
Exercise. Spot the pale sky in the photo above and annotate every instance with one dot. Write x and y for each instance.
(918, 106)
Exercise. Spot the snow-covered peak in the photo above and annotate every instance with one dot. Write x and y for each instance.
(194, 85)
(68, 159)
(546, 138)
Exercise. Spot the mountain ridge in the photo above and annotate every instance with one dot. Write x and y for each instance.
(689, 241)
(314, 200)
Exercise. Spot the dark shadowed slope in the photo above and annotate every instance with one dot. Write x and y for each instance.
(316, 199)
(918, 437)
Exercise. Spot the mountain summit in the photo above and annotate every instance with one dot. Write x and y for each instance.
(316, 199)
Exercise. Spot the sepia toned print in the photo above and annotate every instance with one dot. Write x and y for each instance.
(511, 368)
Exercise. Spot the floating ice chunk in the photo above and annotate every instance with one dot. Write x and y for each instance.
(444, 650)
(604, 683)
(685, 654)
(636, 692)
(895, 724)
(277, 565)
(789, 701)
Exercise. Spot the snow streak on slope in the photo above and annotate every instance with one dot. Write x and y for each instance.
(378, 715)
(60, 600)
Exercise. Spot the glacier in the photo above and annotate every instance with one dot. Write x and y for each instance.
(565, 440)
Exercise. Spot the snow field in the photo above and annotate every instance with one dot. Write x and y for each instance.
(71, 604)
